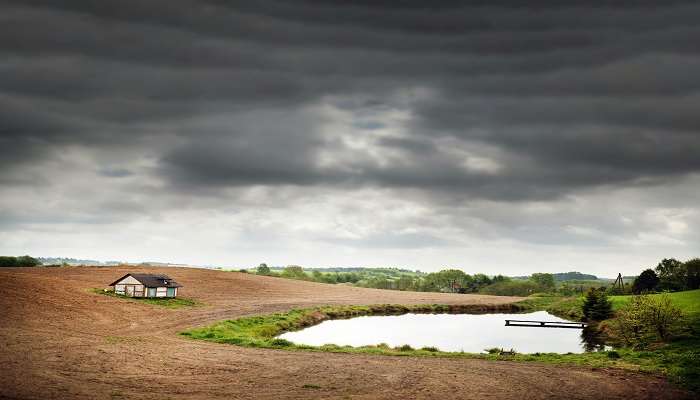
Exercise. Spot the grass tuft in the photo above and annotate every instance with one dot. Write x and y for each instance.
(167, 302)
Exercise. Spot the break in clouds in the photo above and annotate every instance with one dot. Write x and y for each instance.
(481, 135)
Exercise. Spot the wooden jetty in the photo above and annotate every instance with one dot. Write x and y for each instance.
(546, 324)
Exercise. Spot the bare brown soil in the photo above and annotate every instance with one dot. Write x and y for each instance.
(59, 340)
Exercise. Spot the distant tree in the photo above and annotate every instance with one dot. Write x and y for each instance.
(672, 274)
(294, 272)
(263, 269)
(596, 306)
(692, 268)
(647, 281)
(479, 281)
(447, 280)
(546, 281)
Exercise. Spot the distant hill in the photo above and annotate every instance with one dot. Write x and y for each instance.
(574, 276)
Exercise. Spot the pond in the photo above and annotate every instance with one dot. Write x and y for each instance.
(472, 333)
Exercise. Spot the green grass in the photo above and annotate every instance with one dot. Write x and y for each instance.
(679, 360)
(168, 302)
(688, 302)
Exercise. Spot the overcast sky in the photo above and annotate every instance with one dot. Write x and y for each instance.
(479, 135)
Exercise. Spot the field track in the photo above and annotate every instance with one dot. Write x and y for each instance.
(60, 341)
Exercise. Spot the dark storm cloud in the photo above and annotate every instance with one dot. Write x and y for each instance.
(564, 95)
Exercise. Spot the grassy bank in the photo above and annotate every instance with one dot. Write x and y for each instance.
(260, 331)
(168, 302)
(680, 359)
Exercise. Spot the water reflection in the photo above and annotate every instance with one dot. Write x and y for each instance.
(591, 339)
(450, 332)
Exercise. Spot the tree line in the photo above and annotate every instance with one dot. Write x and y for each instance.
(669, 275)
(21, 261)
(447, 280)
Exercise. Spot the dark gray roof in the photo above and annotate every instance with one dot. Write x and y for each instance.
(151, 280)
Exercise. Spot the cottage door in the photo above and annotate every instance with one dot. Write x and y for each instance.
(130, 290)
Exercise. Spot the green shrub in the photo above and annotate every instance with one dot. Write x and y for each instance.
(645, 318)
(430, 349)
(404, 347)
(294, 272)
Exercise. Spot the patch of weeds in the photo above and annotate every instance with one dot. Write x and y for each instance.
(494, 350)
(310, 386)
(167, 302)
(277, 342)
(121, 339)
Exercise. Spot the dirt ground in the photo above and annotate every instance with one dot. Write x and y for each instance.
(60, 341)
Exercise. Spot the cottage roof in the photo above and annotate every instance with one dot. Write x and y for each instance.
(150, 280)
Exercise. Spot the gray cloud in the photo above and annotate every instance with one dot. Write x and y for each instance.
(195, 105)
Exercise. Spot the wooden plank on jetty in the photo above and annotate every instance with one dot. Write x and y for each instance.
(546, 324)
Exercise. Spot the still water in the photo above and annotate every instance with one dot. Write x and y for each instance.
(448, 332)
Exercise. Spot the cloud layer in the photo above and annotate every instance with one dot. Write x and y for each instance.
(488, 135)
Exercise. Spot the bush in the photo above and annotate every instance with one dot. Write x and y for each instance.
(646, 318)
(661, 315)
(294, 272)
(404, 347)
(596, 306)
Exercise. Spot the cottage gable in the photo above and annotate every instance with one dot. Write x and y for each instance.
(128, 280)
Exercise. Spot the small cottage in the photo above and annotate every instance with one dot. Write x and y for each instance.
(146, 285)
